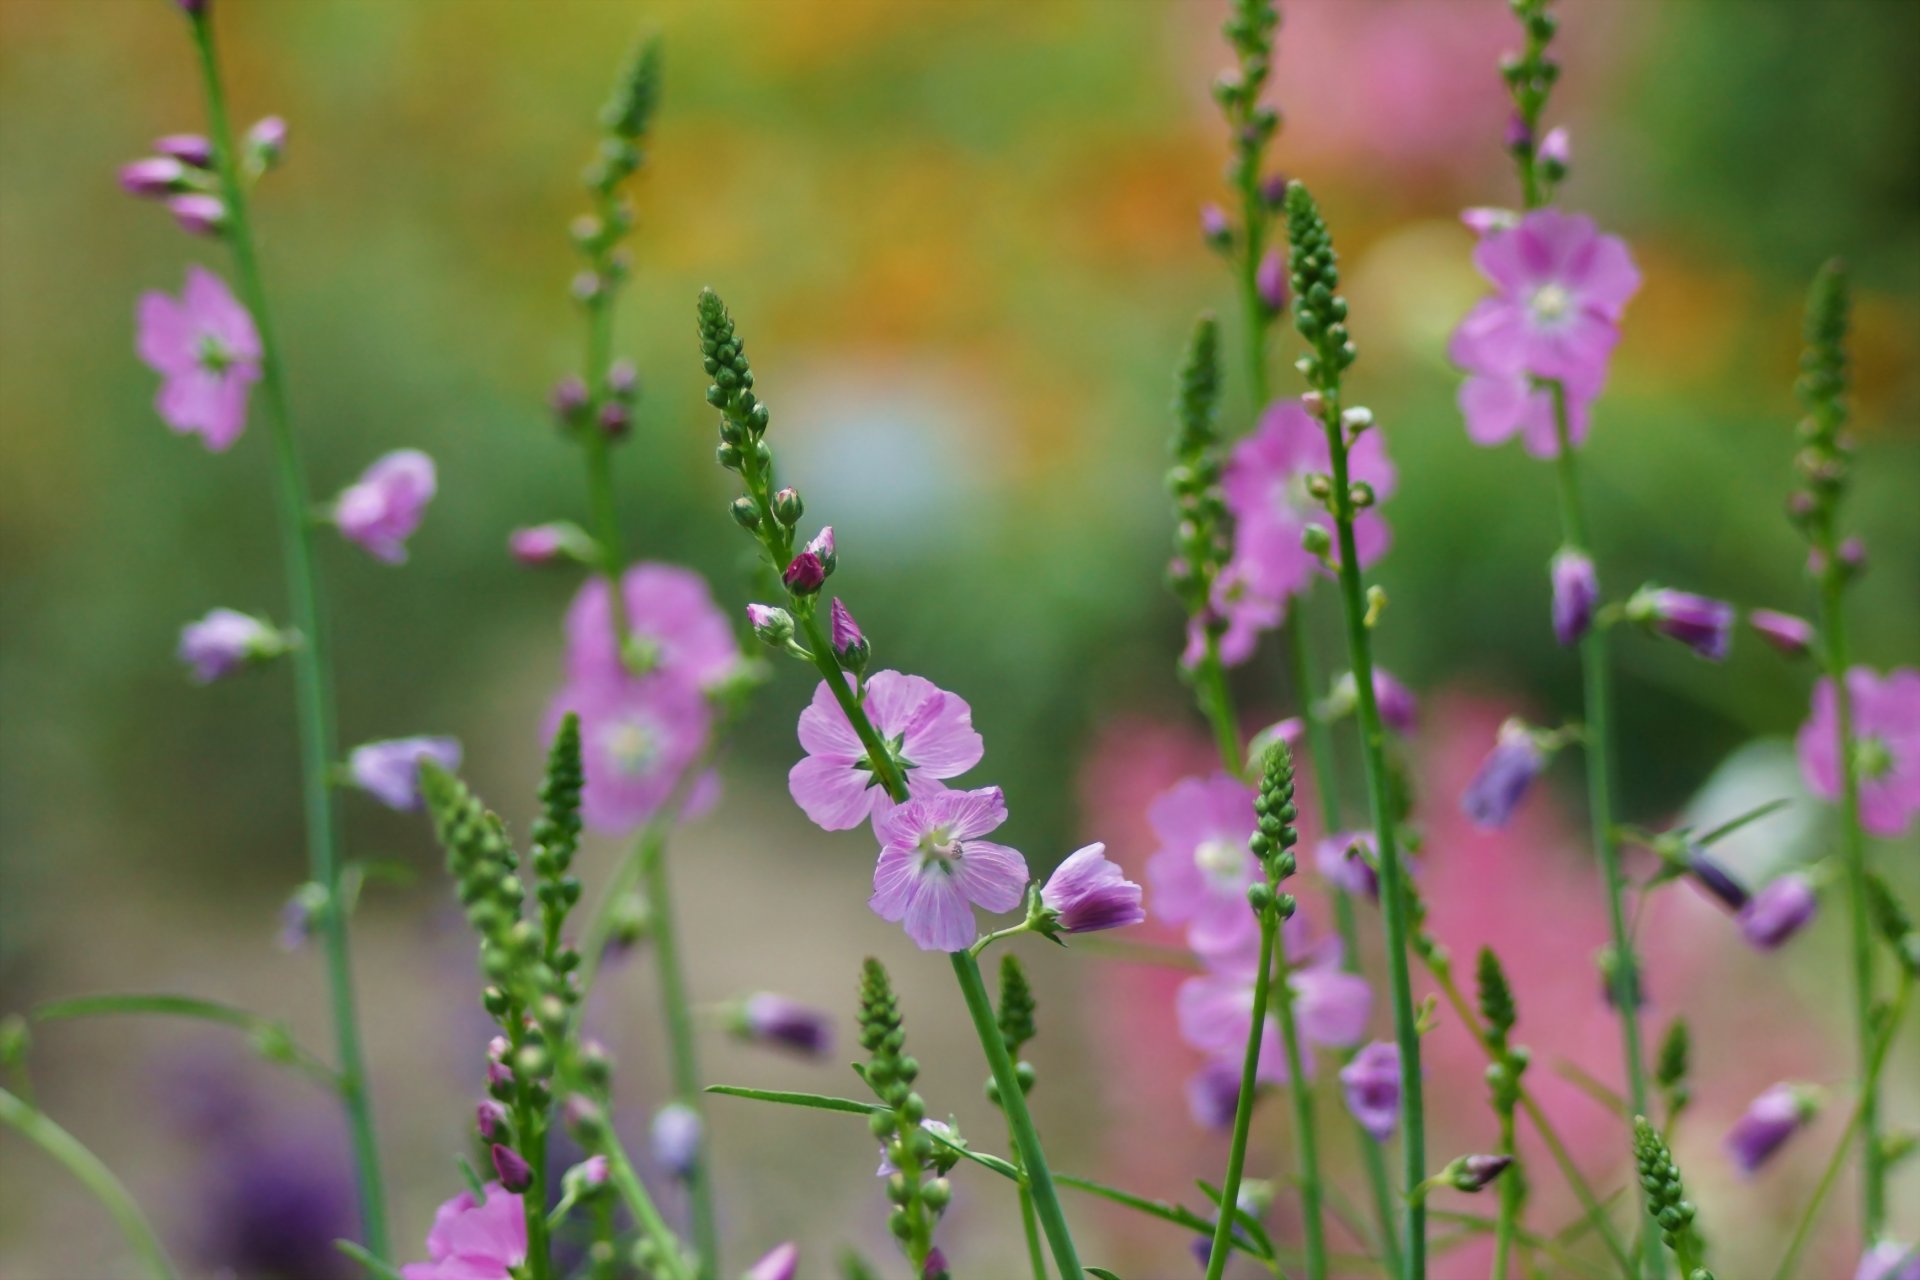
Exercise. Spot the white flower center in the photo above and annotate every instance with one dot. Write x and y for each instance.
(938, 849)
(1221, 861)
(1872, 759)
(1551, 303)
(632, 747)
(213, 354)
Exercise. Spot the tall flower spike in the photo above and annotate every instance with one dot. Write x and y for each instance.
(1319, 313)
(1671, 1066)
(1017, 1005)
(636, 94)
(556, 833)
(1201, 542)
(914, 1186)
(1667, 1202)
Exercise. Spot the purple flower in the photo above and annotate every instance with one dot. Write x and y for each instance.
(152, 176)
(1203, 866)
(188, 148)
(786, 1024)
(846, 632)
(672, 627)
(1769, 1121)
(1575, 591)
(273, 1202)
(835, 785)
(1499, 406)
(390, 771)
(1248, 614)
(1889, 1261)
(490, 1117)
(1270, 280)
(198, 213)
(1509, 769)
(822, 546)
(1790, 635)
(1214, 226)
(594, 1171)
(385, 505)
(225, 641)
(1087, 893)
(1703, 625)
(1345, 859)
(638, 736)
(804, 574)
(207, 353)
(515, 1173)
(933, 863)
(484, 1240)
(1265, 488)
(1886, 746)
(1778, 911)
(1213, 1092)
(782, 1262)
(1372, 1084)
(675, 1139)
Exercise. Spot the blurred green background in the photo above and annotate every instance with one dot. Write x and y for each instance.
(961, 241)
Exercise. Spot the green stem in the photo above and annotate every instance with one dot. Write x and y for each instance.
(1597, 673)
(1305, 1136)
(1026, 1141)
(1512, 1189)
(603, 515)
(684, 1057)
(1327, 792)
(1029, 1223)
(1393, 896)
(529, 1127)
(1210, 681)
(34, 1126)
(630, 1189)
(1243, 1105)
(311, 660)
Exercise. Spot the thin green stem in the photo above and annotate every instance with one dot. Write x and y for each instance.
(1210, 682)
(877, 754)
(313, 692)
(1305, 1136)
(35, 1127)
(1327, 792)
(529, 1127)
(1512, 1190)
(1596, 670)
(627, 1184)
(684, 1056)
(1026, 1140)
(1243, 1105)
(1029, 1222)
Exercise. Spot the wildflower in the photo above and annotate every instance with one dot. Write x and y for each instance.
(390, 771)
(545, 544)
(1346, 860)
(1556, 149)
(774, 1020)
(1203, 866)
(474, 1240)
(638, 736)
(1703, 625)
(1769, 1120)
(198, 213)
(1086, 893)
(190, 149)
(1790, 635)
(515, 1173)
(675, 1139)
(930, 737)
(1888, 1260)
(568, 400)
(771, 625)
(804, 574)
(1246, 612)
(850, 647)
(1330, 1006)
(933, 863)
(1473, 1173)
(1496, 791)
(593, 1171)
(299, 914)
(152, 176)
(384, 506)
(1214, 227)
(782, 1262)
(1499, 406)
(1265, 486)
(1886, 746)
(266, 143)
(1270, 281)
(1372, 1085)
(225, 641)
(490, 1117)
(1575, 591)
(1778, 911)
(672, 627)
(1399, 709)
(207, 352)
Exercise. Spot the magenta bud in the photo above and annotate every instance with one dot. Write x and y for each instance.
(1519, 136)
(266, 141)
(805, 574)
(499, 1079)
(1471, 1173)
(188, 148)
(1214, 226)
(615, 419)
(1556, 148)
(568, 400)
(1576, 589)
(491, 1117)
(1715, 879)
(198, 214)
(152, 177)
(782, 1262)
(780, 1023)
(1780, 910)
(1270, 280)
(515, 1173)
(1790, 635)
(1702, 624)
(1273, 190)
(1769, 1120)
(539, 544)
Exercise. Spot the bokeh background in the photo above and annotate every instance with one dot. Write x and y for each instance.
(961, 240)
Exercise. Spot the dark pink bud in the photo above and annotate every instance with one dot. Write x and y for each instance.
(152, 177)
(1270, 279)
(568, 399)
(805, 575)
(846, 632)
(187, 148)
(515, 1173)
(615, 419)
(491, 1118)
(1519, 136)
(199, 214)
(1790, 635)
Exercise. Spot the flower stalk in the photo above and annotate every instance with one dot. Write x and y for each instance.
(312, 659)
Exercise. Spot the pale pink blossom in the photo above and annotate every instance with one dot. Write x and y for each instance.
(474, 1240)
(934, 867)
(836, 785)
(207, 352)
(381, 509)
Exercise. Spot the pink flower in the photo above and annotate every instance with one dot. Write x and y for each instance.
(225, 641)
(673, 626)
(1888, 1260)
(1498, 407)
(782, 1262)
(1769, 1120)
(198, 213)
(933, 864)
(1561, 287)
(1886, 734)
(390, 771)
(1791, 636)
(381, 510)
(1330, 1006)
(1371, 1083)
(1265, 488)
(638, 736)
(207, 352)
(188, 148)
(1086, 893)
(473, 1240)
(1202, 869)
(152, 176)
(836, 785)
(1248, 615)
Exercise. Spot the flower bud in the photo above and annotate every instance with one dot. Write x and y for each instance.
(491, 1118)
(1215, 228)
(850, 647)
(623, 381)
(1789, 635)
(198, 214)
(1472, 1173)
(616, 419)
(265, 144)
(774, 626)
(675, 1136)
(1270, 282)
(1778, 911)
(152, 177)
(515, 1173)
(547, 544)
(787, 506)
(1576, 589)
(805, 574)
(568, 400)
(190, 149)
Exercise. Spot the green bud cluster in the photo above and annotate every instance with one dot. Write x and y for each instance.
(1671, 1067)
(1496, 998)
(636, 94)
(1825, 460)
(1250, 29)
(918, 1188)
(1509, 1062)
(1274, 835)
(485, 877)
(1016, 1022)
(1530, 76)
(556, 838)
(1666, 1198)
(1319, 312)
(1202, 541)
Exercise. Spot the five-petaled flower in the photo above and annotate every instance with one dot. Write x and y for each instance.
(207, 352)
(381, 509)
(1202, 869)
(934, 864)
(928, 733)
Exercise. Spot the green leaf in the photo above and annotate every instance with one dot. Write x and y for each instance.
(271, 1036)
(1165, 1210)
(1101, 1273)
(816, 1101)
(372, 1264)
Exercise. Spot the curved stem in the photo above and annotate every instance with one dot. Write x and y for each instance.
(34, 1126)
(684, 1055)
(1243, 1105)
(313, 692)
(1596, 671)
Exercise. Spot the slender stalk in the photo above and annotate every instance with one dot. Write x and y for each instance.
(1029, 1223)
(1596, 671)
(1210, 682)
(312, 663)
(1243, 1105)
(652, 1226)
(529, 1124)
(683, 1054)
(1305, 1136)
(1327, 792)
(38, 1129)
(1511, 1191)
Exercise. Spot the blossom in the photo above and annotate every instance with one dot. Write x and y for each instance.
(1716, 879)
(933, 863)
(1371, 1082)
(638, 736)
(1246, 612)
(1703, 625)
(1790, 635)
(782, 1262)
(1499, 406)
(1330, 1006)
(1888, 1260)
(1778, 911)
(193, 149)
(1509, 769)
(1202, 869)
(1399, 709)
(804, 574)
(1345, 859)
(384, 506)
(390, 771)
(849, 644)
(474, 1240)
(225, 641)
(671, 624)
(1264, 484)
(1086, 893)
(1556, 148)
(1575, 591)
(266, 141)
(836, 784)
(1270, 281)
(774, 1020)
(207, 353)
(675, 1139)
(1767, 1123)
(152, 176)
(1886, 746)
